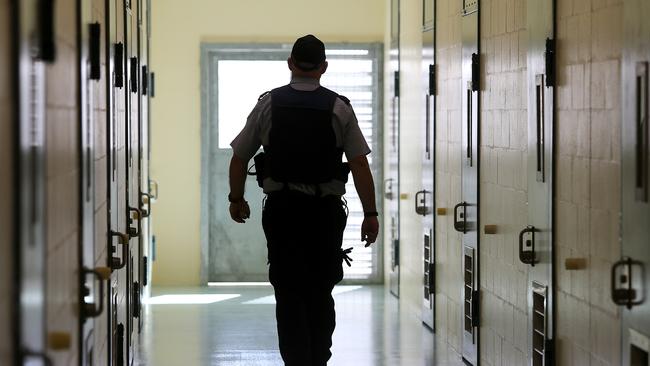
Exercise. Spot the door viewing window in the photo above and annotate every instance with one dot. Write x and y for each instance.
(234, 78)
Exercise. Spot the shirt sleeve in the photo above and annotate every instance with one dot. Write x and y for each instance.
(353, 141)
(249, 140)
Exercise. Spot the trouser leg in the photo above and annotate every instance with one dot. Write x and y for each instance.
(292, 316)
(322, 320)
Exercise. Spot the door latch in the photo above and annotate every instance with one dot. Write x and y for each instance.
(123, 239)
(622, 282)
(527, 253)
(460, 218)
(93, 310)
(135, 214)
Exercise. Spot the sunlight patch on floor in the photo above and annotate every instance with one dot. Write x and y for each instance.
(188, 299)
(270, 300)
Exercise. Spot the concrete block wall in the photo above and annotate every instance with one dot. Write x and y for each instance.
(587, 199)
(62, 230)
(588, 119)
(6, 186)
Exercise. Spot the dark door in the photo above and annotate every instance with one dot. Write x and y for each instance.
(631, 275)
(117, 218)
(425, 198)
(535, 240)
(391, 184)
(35, 40)
(466, 212)
(133, 213)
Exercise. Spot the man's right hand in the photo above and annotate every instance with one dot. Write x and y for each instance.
(369, 230)
(239, 211)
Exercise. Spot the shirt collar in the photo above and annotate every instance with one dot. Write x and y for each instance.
(301, 80)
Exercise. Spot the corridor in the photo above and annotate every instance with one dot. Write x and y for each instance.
(235, 326)
(471, 177)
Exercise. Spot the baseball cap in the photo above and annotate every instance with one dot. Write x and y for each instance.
(308, 52)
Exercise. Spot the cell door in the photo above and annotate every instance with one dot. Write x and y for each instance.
(391, 184)
(425, 198)
(117, 219)
(466, 212)
(92, 279)
(631, 275)
(143, 161)
(536, 240)
(36, 42)
(133, 213)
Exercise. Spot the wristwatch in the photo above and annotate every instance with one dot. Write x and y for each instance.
(235, 200)
(371, 214)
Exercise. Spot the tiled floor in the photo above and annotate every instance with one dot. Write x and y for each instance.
(235, 326)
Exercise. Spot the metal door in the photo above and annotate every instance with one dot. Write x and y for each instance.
(36, 45)
(425, 198)
(91, 279)
(133, 214)
(630, 275)
(116, 131)
(391, 184)
(535, 240)
(466, 212)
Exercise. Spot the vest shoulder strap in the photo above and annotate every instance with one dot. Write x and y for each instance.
(345, 99)
(263, 95)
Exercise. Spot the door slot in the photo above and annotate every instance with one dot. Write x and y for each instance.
(471, 296)
(93, 310)
(421, 203)
(460, 218)
(468, 155)
(527, 252)
(627, 274)
(641, 103)
(539, 120)
(542, 346)
(123, 239)
(94, 50)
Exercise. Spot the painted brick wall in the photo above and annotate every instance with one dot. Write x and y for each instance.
(6, 166)
(503, 181)
(588, 179)
(62, 184)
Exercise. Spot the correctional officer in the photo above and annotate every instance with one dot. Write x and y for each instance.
(304, 129)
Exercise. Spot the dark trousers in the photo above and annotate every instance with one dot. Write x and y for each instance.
(304, 236)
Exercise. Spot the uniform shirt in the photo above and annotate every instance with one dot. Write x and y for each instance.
(258, 125)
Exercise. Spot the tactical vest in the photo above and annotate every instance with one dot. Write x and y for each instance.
(302, 143)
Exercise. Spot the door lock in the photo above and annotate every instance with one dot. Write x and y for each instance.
(421, 203)
(123, 239)
(460, 218)
(135, 214)
(622, 282)
(527, 253)
(101, 274)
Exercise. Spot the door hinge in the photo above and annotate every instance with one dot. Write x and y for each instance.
(145, 80)
(94, 50)
(432, 79)
(432, 278)
(396, 81)
(476, 72)
(134, 74)
(396, 252)
(145, 271)
(549, 56)
(118, 64)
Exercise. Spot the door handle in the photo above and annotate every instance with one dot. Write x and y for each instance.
(123, 239)
(623, 292)
(460, 225)
(135, 214)
(421, 203)
(101, 274)
(145, 199)
(388, 188)
(527, 255)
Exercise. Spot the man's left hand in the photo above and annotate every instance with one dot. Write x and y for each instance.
(239, 211)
